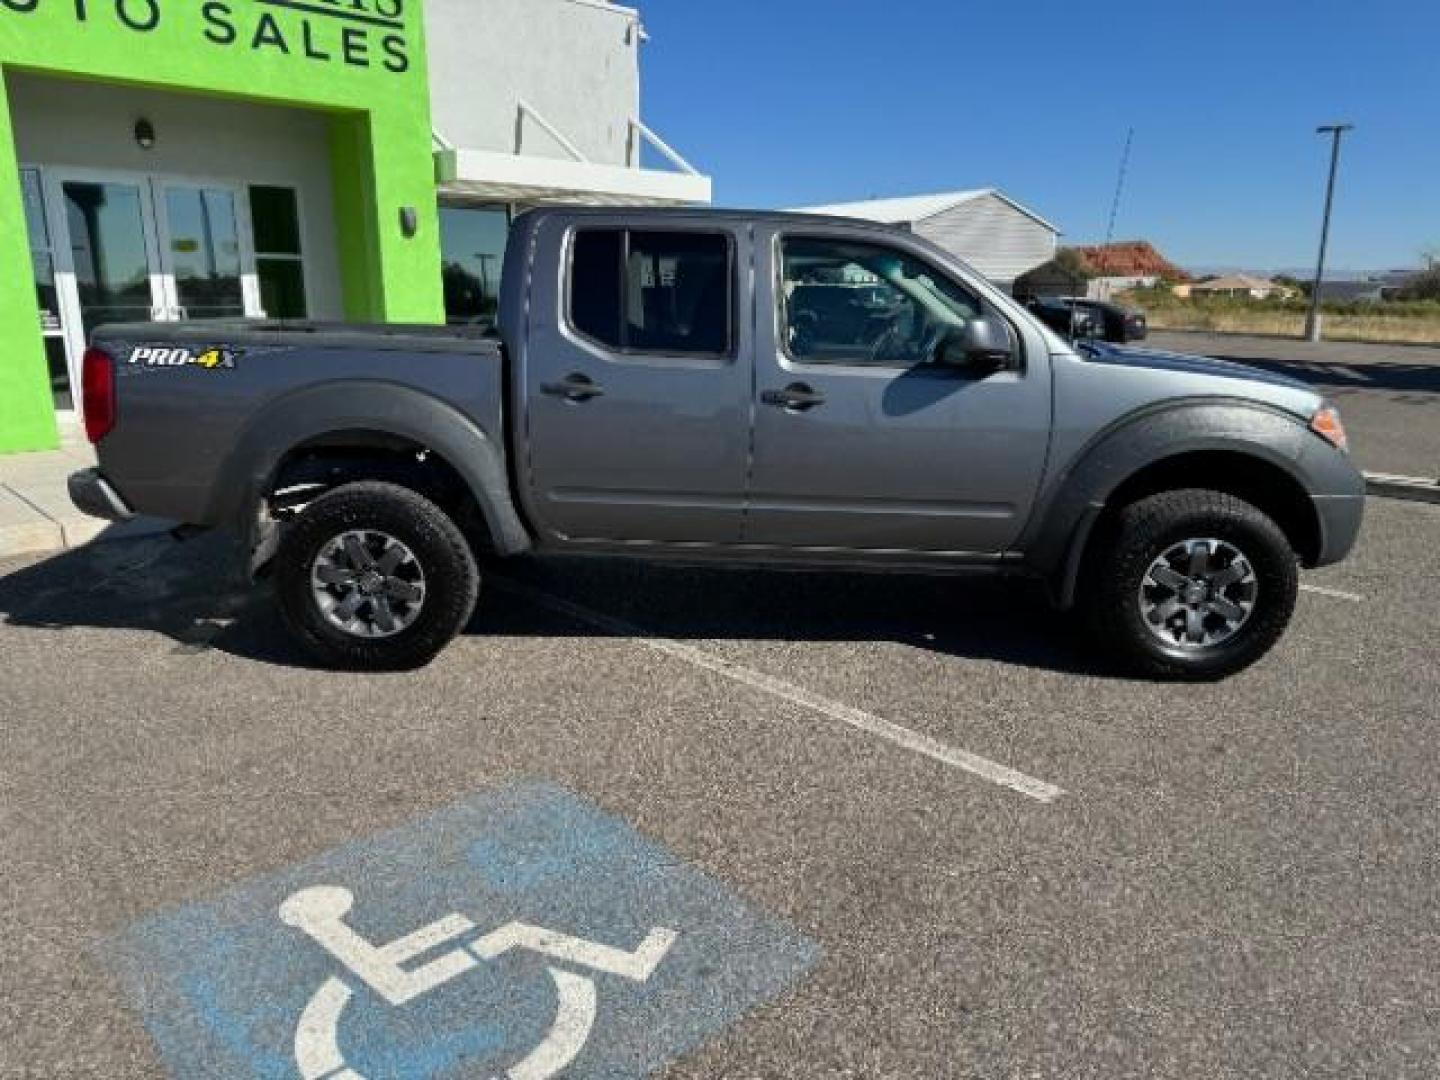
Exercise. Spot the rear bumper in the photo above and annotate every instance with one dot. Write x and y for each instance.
(92, 494)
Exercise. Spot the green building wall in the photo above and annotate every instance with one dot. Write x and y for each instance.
(364, 64)
(27, 416)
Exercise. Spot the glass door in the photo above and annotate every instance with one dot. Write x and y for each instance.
(108, 265)
(207, 264)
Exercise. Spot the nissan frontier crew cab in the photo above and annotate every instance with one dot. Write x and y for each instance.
(771, 389)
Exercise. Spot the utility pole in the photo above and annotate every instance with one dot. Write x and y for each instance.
(1119, 187)
(1312, 320)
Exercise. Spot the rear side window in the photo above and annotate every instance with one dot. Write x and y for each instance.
(653, 292)
(595, 294)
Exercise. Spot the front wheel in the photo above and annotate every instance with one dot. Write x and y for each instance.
(373, 576)
(1190, 584)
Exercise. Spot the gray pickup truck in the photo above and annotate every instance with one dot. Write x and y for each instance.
(771, 389)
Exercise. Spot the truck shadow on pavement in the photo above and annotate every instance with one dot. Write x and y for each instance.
(195, 594)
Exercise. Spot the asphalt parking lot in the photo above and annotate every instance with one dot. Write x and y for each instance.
(918, 831)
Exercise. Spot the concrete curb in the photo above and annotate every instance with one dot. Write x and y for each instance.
(37, 537)
(1410, 488)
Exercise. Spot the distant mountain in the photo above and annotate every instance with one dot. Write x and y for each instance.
(1337, 273)
(1130, 258)
(1223, 270)
(1299, 273)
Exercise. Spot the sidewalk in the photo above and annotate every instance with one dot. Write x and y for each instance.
(35, 511)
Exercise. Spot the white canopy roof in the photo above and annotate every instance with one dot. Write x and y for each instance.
(910, 208)
(519, 178)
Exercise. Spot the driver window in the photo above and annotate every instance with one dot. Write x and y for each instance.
(856, 303)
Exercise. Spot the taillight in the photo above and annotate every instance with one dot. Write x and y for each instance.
(97, 393)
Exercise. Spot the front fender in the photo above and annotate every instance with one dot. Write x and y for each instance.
(367, 405)
(1075, 497)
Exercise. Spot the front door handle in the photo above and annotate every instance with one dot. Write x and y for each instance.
(797, 397)
(574, 387)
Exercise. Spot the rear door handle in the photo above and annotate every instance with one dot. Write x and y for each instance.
(796, 397)
(574, 387)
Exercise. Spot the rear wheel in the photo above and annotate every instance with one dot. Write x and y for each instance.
(1190, 584)
(374, 576)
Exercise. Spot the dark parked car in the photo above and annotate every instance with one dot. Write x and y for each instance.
(1066, 319)
(1117, 324)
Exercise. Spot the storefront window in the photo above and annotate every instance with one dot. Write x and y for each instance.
(40, 250)
(472, 241)
(43, 259)
(279, 264)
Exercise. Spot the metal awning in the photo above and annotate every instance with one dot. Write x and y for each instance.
(531, 178)
(483, 174)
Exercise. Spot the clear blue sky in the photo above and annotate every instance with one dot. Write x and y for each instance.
(789, 102)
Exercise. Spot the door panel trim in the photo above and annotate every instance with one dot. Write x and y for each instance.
(621, 497)
(787, 557)
(801, 504)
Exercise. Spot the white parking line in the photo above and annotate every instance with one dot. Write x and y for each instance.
(796, 695)
(1334, 594)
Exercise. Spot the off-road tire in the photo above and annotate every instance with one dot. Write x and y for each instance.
(450, 574)
(1122, 555)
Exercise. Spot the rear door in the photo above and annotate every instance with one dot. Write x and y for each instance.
(637, 381)
(862, 441)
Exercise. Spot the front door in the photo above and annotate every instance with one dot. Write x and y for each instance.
(137, 248)
(862, 441)
(638, 388)
(108, 257)
(206, 263)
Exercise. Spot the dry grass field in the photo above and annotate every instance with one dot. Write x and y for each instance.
(1381, 328)
(1388, 323)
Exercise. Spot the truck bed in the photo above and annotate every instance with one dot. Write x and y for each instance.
(203, 406)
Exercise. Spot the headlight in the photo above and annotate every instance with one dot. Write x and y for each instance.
(1326, 423)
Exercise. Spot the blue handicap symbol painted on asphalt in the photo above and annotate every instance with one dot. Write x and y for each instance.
(521, 934)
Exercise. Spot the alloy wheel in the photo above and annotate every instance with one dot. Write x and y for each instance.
(1198, 594)
(368, 584)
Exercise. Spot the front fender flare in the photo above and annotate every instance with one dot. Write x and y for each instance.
(1074, 500)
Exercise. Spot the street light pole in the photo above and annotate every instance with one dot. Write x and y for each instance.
(1312, 320)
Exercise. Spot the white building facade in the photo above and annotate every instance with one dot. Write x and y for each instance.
(537, 102)
(991, 231)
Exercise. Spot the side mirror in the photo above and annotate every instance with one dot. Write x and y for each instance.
(981, 346)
